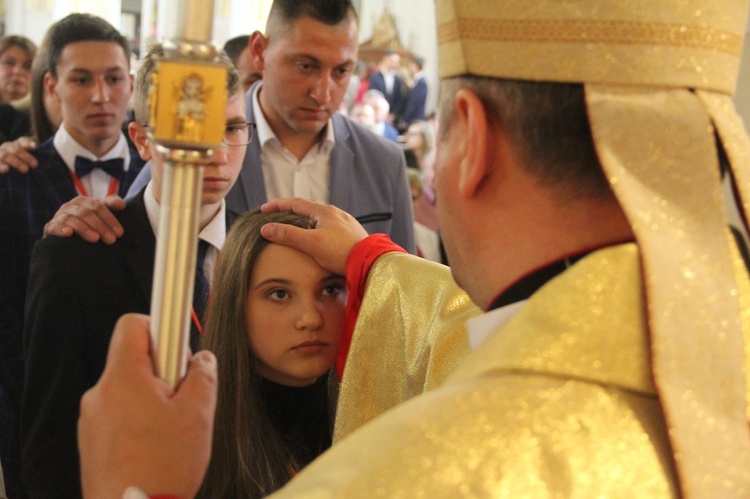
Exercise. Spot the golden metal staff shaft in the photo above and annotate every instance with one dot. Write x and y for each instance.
(188, 99)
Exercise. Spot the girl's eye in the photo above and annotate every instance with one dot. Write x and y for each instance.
(333, 290)
(278, 294)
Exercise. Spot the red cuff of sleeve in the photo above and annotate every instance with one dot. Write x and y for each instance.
(361, 258)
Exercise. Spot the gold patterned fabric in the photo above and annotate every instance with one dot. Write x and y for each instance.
(672, 197)
(408, 338)
(685, 44)
(658, 76)
(558, 402)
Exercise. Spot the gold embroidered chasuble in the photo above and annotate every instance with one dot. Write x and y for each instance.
(559, 402)
(410, 335)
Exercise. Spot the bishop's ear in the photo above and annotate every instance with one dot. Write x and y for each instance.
(471, 121)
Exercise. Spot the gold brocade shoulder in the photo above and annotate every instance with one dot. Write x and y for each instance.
(410, 335)
(588, 323)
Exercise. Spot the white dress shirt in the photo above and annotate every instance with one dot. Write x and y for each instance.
(283, 174)
(214, 232)
(97, 182)
(389, 78)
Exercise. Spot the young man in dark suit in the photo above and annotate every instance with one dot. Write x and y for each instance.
(90, 76)
(413, 108)
(78, 290)
(388, 81)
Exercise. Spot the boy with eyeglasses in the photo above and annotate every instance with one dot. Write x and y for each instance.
(78, 290)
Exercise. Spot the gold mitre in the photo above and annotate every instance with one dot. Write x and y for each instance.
(658, 77)
(691, 43)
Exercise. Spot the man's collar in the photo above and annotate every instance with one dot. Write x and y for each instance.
(214, 232)
(265, 133)
(528, 284)
(68, 148)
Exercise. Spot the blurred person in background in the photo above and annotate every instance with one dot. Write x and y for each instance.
(366, 70)
(416, 97)
(419, 147)
(382, 110)
(364, 114)
(428, 242)
(16, 55)
(390, 84)
(45, 117)
(238, 50)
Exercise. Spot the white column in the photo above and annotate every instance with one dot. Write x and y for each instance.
(110, 10)
(165, 22)
(30, 18)
(239, 17)
(224, 11)
(231, 17)
(148, 24)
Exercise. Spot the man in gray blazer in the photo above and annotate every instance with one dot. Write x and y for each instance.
(305, 148)
(366, 179)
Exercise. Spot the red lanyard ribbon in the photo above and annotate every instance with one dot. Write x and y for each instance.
(113, 184)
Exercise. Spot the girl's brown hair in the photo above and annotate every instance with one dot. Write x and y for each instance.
(248, 457)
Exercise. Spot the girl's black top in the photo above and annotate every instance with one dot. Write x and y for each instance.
(302, 417)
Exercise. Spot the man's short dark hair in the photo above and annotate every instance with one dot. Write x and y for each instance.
(234, 47)
(547, 123)
(330, 12)
(80, 27)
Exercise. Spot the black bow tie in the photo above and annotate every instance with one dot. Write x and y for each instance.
(114, 167)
